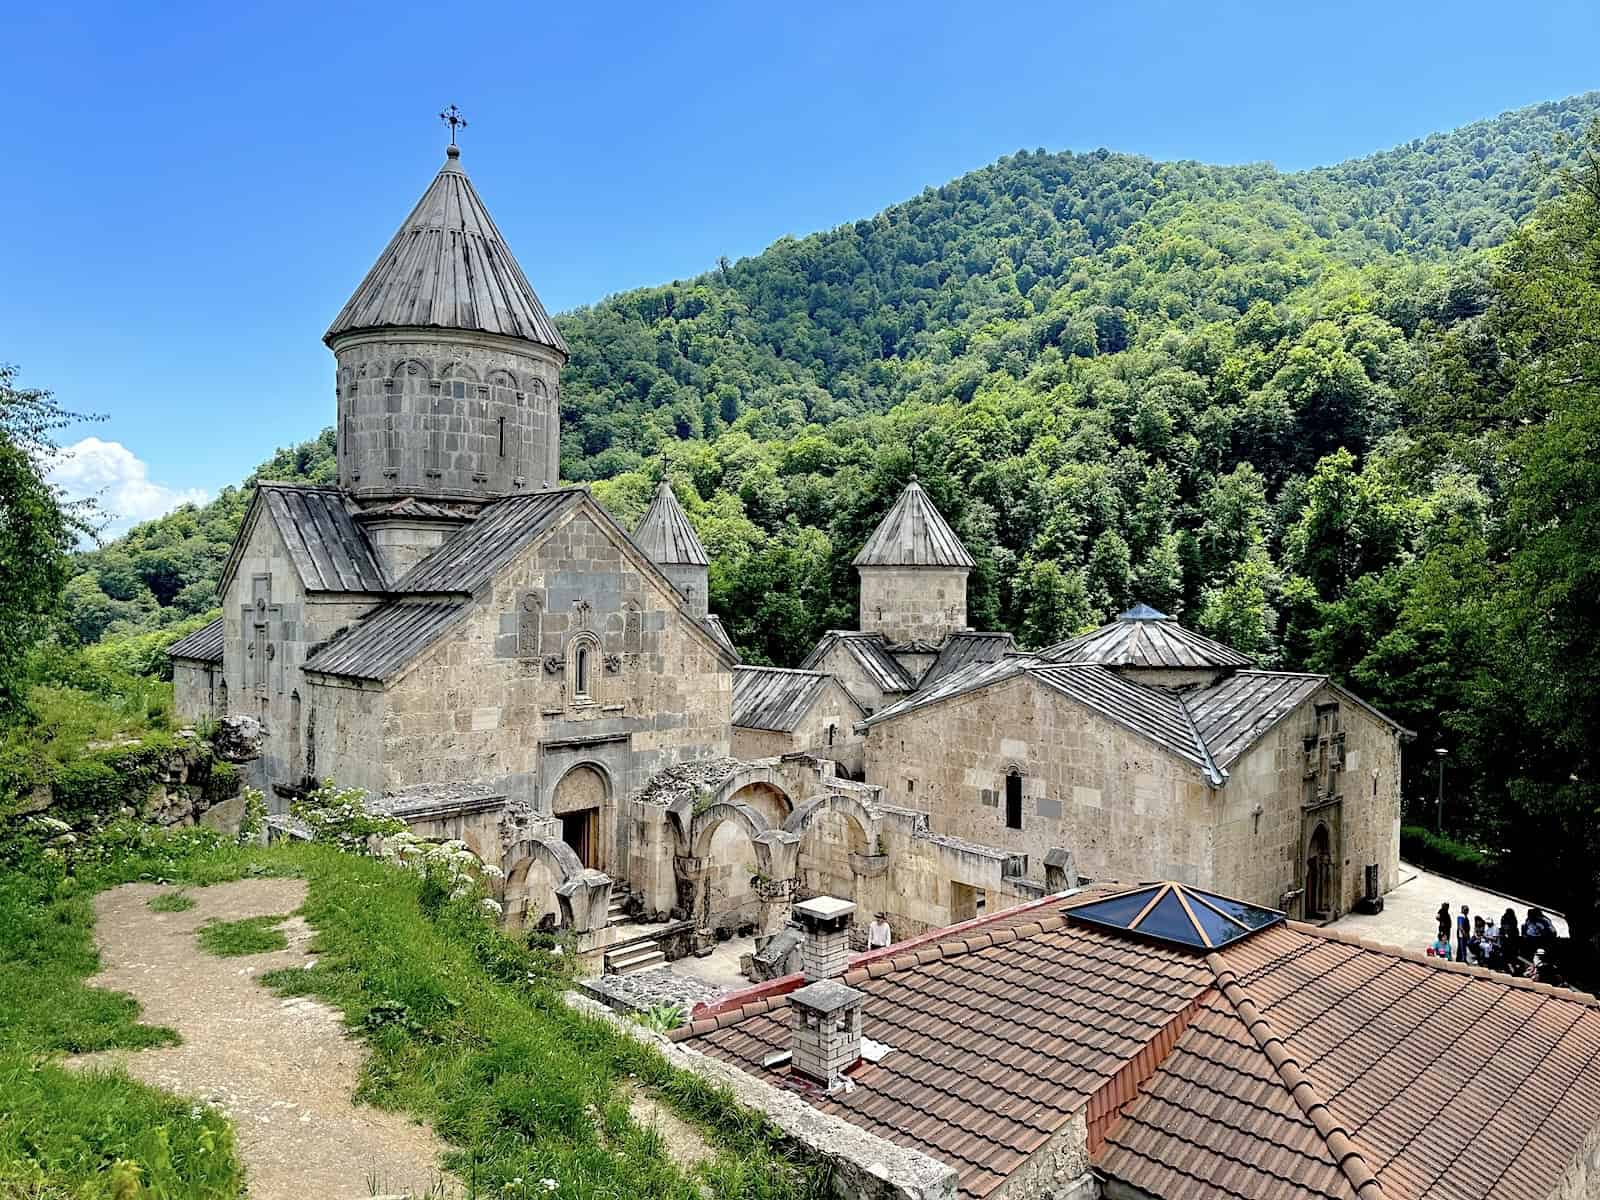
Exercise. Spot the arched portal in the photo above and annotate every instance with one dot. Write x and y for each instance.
(1319, 874)
(833, 827)
(581, 802)
(731, 849)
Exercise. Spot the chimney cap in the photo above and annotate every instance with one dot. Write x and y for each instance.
(826, 996)
(820, 911)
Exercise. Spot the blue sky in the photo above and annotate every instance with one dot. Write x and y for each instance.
(193, 190)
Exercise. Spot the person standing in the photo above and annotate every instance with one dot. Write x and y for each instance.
(1510, 938)
(1463, 933)
(878, 933)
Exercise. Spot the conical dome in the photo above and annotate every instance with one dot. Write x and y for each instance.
(665, 533)
(448, 267)
(913, 534)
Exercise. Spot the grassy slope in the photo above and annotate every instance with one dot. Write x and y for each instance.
(465, 1025)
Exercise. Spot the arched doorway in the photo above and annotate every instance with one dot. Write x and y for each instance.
(1319, 874)
(579, 804)
(734, 901)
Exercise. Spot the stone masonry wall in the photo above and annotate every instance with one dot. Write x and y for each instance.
(1581, 1180)
(842, 665)
(446, 414)
(833, 708)
(904, 603)
(267, 683)
(1262, 858)
(194, 689)
(499, 695)
(1126, 808)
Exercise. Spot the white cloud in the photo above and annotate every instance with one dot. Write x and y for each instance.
(116, 477)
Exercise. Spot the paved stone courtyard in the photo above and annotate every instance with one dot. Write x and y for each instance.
(1407, 919)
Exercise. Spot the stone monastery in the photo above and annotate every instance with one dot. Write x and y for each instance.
(493, 657)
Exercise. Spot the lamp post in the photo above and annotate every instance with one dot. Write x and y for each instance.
(1439, 819)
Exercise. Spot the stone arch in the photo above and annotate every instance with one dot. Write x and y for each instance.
(708, 820)
(551, 855)
(864, 819)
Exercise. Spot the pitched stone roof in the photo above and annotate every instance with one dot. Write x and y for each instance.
(871, 652)
(719, 632)
(967, 646)
(777, 698)
(913, 534)
(203, 645)
(1143, 637)
(448, 267)
(470, 558)
(1209, 727)
(329, 551)
(664, 532)
(1292, 1064)
(387, 640)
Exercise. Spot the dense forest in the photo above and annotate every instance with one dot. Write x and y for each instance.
(1341, 418)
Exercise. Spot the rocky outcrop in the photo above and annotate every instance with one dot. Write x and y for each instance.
(237, 739)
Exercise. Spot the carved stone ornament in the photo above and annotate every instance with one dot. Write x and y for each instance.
(553, 664)
(261, 604)
(272, 650)
(585, 611)
(613, 663)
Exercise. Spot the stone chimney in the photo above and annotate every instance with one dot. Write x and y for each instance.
(826, 950)
(827, 1030)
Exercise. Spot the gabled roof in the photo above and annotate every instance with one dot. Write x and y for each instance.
(664, 532)
(1143, 637)
(385, 641)
(1209, 727)
(871, 652)
(778, 698)
(1291, 1064)
(719, 633)
(448, 267)
(203, 645)
(967, 646)
(329, 551)
(913, 534)
(470, 558)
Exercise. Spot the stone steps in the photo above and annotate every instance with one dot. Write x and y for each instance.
(632, 959)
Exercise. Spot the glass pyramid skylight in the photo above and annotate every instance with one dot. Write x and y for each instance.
(1181, 916)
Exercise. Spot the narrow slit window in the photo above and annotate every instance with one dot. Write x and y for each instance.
(502, 437)
(1013, 801)
(583, 671)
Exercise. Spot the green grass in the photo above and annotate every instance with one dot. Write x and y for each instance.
(253, 935)
(88, 1135)
(465, 1026)
(170, 902)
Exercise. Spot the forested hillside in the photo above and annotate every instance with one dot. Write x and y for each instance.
(1121, 380)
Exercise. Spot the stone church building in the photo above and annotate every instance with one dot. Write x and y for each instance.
(492, 656)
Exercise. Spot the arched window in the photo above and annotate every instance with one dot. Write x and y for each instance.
(583, 668)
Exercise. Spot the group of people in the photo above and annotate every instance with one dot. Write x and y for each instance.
(1506, 946)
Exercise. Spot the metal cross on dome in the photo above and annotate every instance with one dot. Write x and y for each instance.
(453, 118)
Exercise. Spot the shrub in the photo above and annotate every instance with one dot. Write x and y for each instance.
(86, 788)
(222, 782)
(339, 816)
(1435, 852)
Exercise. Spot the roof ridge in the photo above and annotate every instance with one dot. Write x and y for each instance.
(785, 670)
(1342, 1147)
(1212, 768)
(1572, 995)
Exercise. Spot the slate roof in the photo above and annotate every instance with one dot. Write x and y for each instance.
(776, 698)
(871, 652)
(329, 551)
(203, 645)
(664, 532)
(1143, 637)
(719, 634)
(448, 267)
(1209, 727)
(470, 558)
(967, 646)
(1291, 1064)
(386, 640)
(913, 534)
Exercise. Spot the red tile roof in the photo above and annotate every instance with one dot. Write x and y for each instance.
(1294, 1063)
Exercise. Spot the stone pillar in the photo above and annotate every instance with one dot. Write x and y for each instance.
(584, 900)
(825, 921)
(778, 857)
(826, 1037)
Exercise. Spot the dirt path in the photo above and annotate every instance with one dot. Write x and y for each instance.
(281, 1069)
